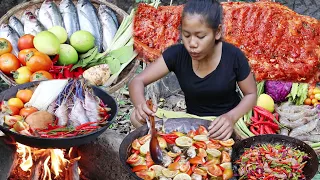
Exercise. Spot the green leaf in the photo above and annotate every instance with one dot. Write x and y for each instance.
(114, 65)
(123, 54)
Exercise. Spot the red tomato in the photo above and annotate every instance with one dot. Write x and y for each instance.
(25, 54)
(24, 112)
(5, 46)
(144, 139)
(9, 63)
(202, 130)
(134, 158)
(139, 168)
(174, 166)
(212, 145)
(214, 170)
(200, 144)
(14, 110)
(185, 167)
(225, 157)
(25, 42)
(39, 61)
(200, 171)
(24, 94)
(196, 160)
(40, 75)
(192, 133)
(202, 152)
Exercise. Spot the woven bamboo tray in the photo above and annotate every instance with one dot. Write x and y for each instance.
(32, 5)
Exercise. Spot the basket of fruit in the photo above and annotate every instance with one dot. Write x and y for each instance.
(48, 39)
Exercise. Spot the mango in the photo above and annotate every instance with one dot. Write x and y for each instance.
(265, 101)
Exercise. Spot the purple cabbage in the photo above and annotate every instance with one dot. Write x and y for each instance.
(278, 90)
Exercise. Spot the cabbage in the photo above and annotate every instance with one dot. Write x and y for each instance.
(278, 90)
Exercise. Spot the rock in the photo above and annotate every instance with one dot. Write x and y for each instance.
(7, 158)
(100, 158)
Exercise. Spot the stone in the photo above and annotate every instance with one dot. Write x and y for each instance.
(100, 158)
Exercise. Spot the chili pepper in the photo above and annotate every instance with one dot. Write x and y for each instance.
(170, 138)
(55, 59)
(262, 118)
(190, 171)
(88, 128)
(255, 114)
(253, 119)
(253, 130)
(271, 124)
(264, 112)
(85, 124)
(67, 73)
(268, 130)
(261, 130)
(60, 76)
(71, 134)
(276, 115)
(78, 72)
(177, 159)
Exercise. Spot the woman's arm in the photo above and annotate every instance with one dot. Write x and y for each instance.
(152, 73)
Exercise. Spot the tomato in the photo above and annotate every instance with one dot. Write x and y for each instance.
(39, 61)
(196, 160)
(136, 145)
(139, 168)
(25, 95)
(211, 162)
(149, 161)
(24, 112)
(200, 171)
(227, 143)
(192, 133)
(144, 139)
(185, 167)
(202, 153)
(40, 75)
(202, 130)
(25, 42)
(22, 75)
(5, 46)
(146, 174)
(13, 110)
(9, 63)
(174, 166)
(212, 145)
(25, 54)
(225, 157)
(134, 158)
(308, 101)
(200, 144)
(214, 170)
(15, 102)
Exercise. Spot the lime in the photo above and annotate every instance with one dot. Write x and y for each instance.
(184, 141)
(170, 174)
(157, 169)
(67, 55)
(82, 41)
(182, 176)
(60, 32)
(201, 138)
(213, 152)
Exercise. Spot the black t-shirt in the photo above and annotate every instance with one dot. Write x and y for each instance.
(215, 94)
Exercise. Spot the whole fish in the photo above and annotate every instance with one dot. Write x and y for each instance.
(12, 36)
(16, 24)
(109, 28)
(89, 21)
(70, 17)
(24, 15)
(33, 26)
(49, 14)
(113, 15)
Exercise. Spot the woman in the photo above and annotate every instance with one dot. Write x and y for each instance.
(207, 70)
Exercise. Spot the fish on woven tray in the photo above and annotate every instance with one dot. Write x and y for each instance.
(282, 45)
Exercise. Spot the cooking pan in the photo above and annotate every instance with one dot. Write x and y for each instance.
(310, 168)
(66, 142)
(186, 124)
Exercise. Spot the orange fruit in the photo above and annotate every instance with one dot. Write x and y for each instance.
(25, 95)
(307, 101)
(15, 102)
(313, 101)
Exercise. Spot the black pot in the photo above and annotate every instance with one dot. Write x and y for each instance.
(66, 142)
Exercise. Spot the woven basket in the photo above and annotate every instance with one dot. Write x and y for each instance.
(125, 75)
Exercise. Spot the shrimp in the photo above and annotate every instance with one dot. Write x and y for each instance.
(299, 115)
(284, 131)
(292, 124)
(52, 107)
(62, 114)
(306, 137)
(304, 129)
(77, 115)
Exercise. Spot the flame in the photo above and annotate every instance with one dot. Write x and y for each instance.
(47, 172)
(24, 151)
(57, 161)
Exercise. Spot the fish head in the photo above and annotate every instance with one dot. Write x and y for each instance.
(32, 18)
(4, 26)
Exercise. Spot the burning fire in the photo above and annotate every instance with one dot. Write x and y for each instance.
(53, 160)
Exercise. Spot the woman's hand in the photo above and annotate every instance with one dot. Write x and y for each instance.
(221, 128)
(141, 112)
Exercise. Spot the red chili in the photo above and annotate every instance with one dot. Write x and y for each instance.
(67, 73)
(261, 129)
(255, 114)
(276, 115)
(253, 119)
(55, 59)
(78, 72)
(60, 76)
(253, 130)
(85, 124)
(190, 171)
(272, 125)
(269, 130)
(177, 159)
(264, 112)
(262, 118)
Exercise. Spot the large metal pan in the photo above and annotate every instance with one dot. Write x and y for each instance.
(186, 124)
(59, 142)
(309, 170)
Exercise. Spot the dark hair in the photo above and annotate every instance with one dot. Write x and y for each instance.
(211, 10)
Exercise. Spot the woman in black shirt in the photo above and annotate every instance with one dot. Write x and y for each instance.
(207, 69)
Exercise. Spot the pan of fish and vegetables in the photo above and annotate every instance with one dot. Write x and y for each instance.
(59, 113)
(190, 154)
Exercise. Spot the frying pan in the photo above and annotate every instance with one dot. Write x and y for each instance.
(186, 124)
(310, 168)
(66, 142)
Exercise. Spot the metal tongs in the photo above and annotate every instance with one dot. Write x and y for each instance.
(155, 150)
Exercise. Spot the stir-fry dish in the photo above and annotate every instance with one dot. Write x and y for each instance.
(185, 156)
(55, 109)
(268, 162)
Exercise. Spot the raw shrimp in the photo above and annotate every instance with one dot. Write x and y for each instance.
(304, 129)
(292, 124)
(299, 115)
(52, 107)
(77, 115)
(284, 131)
(91, 106)
(307, 137)
(62, 114)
